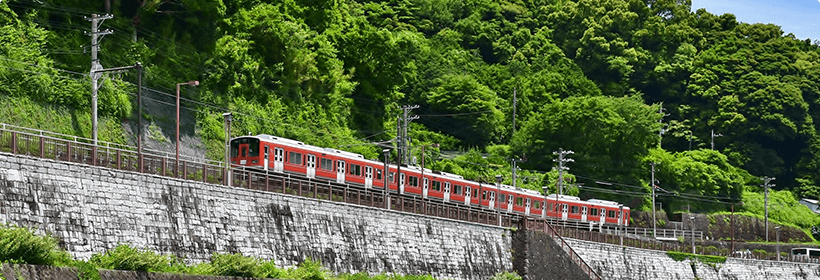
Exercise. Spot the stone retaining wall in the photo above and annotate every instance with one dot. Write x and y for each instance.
(92, 209)
(615, 262)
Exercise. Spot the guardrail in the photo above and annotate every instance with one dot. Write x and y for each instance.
(372, 197)
(43, 144)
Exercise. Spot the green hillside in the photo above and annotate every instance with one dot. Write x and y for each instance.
(602, 78)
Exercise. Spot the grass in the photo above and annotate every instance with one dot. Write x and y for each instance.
(19, 245)
(680, 256)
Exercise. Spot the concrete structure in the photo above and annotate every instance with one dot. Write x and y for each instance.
(92, 209)
(812, 204)
(614, 262)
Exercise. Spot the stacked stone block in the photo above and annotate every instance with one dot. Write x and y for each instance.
(93, 209)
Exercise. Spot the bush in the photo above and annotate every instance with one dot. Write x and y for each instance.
(125, 257)
(506, 276)
(233, 265)
(21, 245)
(307, 270)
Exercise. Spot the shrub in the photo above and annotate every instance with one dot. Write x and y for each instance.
(125, 257)
(242, 266)
(21, 245)
(307, 270)
(505, 275)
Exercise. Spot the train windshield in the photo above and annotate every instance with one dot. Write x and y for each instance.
(244, 147)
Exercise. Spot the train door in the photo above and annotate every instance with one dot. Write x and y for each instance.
(564, 211)
(584, 214)
(278, 160)
(446, 191)
(510, 202)
(340, 171)
(620, 213)
(265, 163)
(527, 207)
(368, 176)
(491, 201)
(544, 209)
(401, 183)
(311, 166)
(603, 216)
(424, 189)
(467, 194)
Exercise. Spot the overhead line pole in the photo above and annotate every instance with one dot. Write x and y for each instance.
(96, 35)
(561, 161)
(766, 186)
(654, 218)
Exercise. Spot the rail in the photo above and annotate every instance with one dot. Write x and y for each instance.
(669, 234)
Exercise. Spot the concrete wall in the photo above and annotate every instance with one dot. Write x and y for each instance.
(537, 256)
(615, 262)
(93, 209)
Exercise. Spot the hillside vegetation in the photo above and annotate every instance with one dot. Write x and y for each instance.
(602, 78)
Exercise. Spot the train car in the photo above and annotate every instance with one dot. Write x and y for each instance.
(268, 153)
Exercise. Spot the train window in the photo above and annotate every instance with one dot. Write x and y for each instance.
(327, 164)
(519, 201)
(378, 174)
(484, 195)
(538, 205)
(611, 213)
(574, 209)
(393, 177)
(475, 192)
(436, 186)
(457, 189)
(501, 198)
(593, 212)
(296, 158)
(253, 147)
(413, 181)
(355, 169)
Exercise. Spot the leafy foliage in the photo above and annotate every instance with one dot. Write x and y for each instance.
(126, 257)
(21, 245)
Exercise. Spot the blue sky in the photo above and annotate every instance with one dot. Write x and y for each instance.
(801, 17)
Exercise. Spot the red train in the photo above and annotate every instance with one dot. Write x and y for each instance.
(277, 154)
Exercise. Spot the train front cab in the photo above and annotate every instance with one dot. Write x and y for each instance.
(245, 152)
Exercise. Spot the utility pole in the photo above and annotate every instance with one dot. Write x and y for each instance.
(654, 218)
(228, 119)
(96, 35)
(561, 161)
(766, 186)
(403, 139)
(663, 126)
(713, 138)
(515, 102)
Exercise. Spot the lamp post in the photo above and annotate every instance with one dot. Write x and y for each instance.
(692, 218)
(777, 231)
(190, 83)
(228, 118)
(498, 179)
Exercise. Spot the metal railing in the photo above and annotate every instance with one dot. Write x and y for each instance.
(371, 197)
(43, 144)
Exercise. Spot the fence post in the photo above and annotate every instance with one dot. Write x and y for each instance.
(13, 142)
(42, 147)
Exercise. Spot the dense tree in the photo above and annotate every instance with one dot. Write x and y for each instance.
(609, 135)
